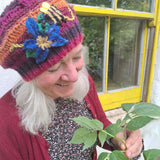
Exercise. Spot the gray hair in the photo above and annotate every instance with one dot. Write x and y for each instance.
(36, 109)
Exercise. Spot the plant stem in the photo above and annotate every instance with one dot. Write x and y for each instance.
(107, 133)
(115, 137)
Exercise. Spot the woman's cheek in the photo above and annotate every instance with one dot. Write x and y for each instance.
(80, 65)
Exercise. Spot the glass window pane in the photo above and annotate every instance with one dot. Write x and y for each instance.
(93, 29)
(99, 3)
(137, 5)
(125, 53)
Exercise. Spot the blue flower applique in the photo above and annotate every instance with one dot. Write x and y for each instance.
(44, 37)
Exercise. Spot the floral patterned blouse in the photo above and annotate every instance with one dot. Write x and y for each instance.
(61, 130)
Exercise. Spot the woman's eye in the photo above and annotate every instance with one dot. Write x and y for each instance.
(77, 58)
(54, 69)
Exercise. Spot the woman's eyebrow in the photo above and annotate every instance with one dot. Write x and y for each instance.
(79, 51)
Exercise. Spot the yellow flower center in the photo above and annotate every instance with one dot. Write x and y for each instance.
(43, 42)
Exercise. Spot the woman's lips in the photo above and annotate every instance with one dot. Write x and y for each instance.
(63, 84)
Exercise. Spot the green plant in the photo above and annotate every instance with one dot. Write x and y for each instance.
(137, 116)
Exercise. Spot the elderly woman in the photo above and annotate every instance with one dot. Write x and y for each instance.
(42, 41)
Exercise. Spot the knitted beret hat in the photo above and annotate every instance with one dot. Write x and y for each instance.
(34, 35)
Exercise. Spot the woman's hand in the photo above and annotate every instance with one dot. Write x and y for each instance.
(133, 142)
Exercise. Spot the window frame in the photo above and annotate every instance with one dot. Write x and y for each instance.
(114, 99)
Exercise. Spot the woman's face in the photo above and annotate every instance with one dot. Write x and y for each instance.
(59, 80)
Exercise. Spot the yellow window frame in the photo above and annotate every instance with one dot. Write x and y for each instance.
(111, 100)
(156, 23)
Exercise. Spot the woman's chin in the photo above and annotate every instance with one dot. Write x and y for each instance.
(67, 94)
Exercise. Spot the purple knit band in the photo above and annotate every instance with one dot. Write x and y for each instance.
(14, 31)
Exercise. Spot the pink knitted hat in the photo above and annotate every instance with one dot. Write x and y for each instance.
(34, 35)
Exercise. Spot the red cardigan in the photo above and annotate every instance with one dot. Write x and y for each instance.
(17, 144)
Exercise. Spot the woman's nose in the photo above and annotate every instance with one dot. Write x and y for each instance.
(70, 73)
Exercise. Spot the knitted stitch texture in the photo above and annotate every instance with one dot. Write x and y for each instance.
(13, 30)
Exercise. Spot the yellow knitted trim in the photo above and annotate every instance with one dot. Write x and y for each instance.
(72, 15)
(13, 46)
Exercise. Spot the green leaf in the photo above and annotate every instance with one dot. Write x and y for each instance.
(112, 129)
(125, 120)
(79, 136)
(151, 154)
(138, 122)
(103, 156)
(118, 122)
(146, 109)
(90, 140)
(30, 53)
(97, 125)
(102, 137)
(127, 117)
(88, 123)
(127, 106)
(117, 155)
